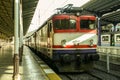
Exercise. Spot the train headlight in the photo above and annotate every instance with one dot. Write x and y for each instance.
(78, 14)
(63, 42)
(91, 42)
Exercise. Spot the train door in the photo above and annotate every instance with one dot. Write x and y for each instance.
(112, 41)
(50, 37)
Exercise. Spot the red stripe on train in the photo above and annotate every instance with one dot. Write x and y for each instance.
(75, 46)
(81, 30)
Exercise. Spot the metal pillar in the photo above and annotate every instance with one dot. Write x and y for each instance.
(99, 31)
(21, 33)
(16, 75)
(108, 63)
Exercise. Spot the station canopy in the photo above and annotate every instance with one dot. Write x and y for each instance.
(7, 16)
(107, 10)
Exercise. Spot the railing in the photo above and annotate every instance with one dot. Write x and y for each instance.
(109, 52)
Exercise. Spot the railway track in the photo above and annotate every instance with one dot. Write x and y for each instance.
(83, 76)
(103, 75)
(114, 68)
(94, 74)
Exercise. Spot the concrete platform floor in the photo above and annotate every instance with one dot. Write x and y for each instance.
(29, 69)
(6, 62)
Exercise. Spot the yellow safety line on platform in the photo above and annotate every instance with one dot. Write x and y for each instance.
(47, 70)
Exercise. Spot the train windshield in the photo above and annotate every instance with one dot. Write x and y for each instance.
(87, 24)
(62, 24)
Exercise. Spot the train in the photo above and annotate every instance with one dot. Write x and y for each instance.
(111, 36)
(110, 39)
(67, 41)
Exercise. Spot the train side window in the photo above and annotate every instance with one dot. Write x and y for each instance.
(49, 29)
(41, 32)
(105, 38)
(117, 37)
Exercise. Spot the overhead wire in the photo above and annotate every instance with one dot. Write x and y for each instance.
(50, 5)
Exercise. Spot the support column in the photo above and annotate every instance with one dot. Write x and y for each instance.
(21, 33)
(99, 31)
(16, 75)
(108, 60)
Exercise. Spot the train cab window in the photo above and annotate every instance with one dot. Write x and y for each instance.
(87, 24)
(72, 24)
(64, 24)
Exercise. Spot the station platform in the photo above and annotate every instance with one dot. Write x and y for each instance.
(6, 62)
(32, 67)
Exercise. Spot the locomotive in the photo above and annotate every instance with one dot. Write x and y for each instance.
(68, 41)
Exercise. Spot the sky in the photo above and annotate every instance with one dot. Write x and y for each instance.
(46, 8)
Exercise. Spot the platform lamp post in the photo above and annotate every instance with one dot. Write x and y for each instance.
(16, 75)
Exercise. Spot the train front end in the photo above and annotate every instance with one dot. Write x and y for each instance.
(74, 42)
